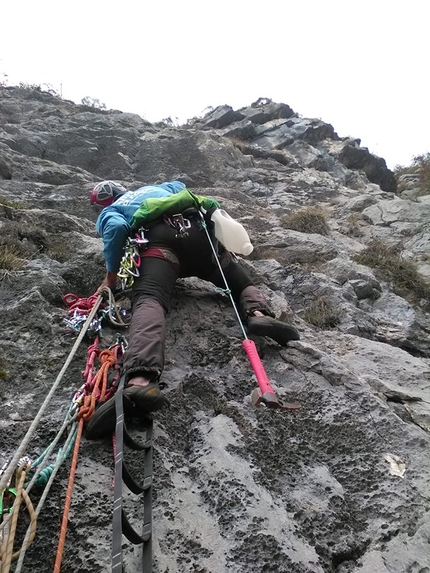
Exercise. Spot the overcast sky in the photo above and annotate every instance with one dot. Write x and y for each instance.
(361, 66)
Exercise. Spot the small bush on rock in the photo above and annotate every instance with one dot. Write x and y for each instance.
(61, 252)
(12, 204)
(308, 220)
(403, 273)
(354, 228)
(420, 166)
(10, 259)
(322, 313)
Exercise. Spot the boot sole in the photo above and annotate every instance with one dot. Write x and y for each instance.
(137, 401)
(279, 331)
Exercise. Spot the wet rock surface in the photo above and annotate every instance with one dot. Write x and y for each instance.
(236, 487)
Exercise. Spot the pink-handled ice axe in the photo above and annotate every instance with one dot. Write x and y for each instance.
(265, 392)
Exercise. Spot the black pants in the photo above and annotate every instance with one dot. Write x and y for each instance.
(167, 259)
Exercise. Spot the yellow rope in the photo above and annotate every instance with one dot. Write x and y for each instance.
(113, 304)
(8, 555)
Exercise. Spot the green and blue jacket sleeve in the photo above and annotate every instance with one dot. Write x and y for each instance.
(155, 207)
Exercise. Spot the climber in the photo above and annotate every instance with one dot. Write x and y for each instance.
(177, 247)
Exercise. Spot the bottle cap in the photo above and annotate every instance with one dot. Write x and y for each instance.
(247, 248)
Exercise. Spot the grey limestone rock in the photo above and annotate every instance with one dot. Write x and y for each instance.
(339, 485)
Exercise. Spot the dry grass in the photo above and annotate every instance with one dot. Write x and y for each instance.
(12, 204)
(307, 220)
(402, 273)
(60, 252)
(420, 166)
(322, 313)
(354, 228)
(4, 374)
(10, 259)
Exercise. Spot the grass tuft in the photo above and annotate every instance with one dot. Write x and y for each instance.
(4, 374)
(402, 273)
(13, 204)
(10, 259)
(322, 313)
(307, 220)
(420, 166)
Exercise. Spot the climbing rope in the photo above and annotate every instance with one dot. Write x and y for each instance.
(7, 554)
(60, 459)
(7, 474)
(117, 315)
(65, 519)
(97, 386)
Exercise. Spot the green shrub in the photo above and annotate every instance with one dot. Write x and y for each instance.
(322, 313)
(403, 273)
(307, 220)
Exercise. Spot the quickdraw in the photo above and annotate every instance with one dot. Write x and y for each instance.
(130, 262)
(180, 224)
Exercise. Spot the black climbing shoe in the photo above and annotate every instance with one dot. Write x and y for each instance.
(147, 398)
(137, 400)
(279, 331)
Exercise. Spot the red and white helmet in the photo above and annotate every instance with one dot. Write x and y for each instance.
(106, 192)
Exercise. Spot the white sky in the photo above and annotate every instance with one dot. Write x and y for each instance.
(361, 65)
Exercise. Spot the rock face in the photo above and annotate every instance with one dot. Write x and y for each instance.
(341, 484)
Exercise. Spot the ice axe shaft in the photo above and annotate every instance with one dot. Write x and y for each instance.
(265, 392)
(255, 360)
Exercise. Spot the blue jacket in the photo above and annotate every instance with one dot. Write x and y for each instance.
(114, 222)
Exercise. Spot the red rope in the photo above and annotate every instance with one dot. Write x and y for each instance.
(62, 539)
(97, 393)
(84, 305)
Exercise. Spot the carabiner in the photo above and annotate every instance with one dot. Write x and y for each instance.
(4, 497)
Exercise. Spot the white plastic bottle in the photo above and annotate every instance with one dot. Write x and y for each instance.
(231, 233)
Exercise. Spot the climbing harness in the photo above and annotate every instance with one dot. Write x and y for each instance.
(264, 393)
(130, 262)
